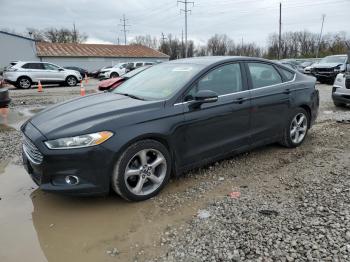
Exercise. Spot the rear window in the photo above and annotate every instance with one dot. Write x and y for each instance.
(289, 76)
(263, 75)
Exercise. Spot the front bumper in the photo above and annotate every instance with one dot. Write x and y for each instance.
(341, 95)
(324, 75)
(104, 75)
(92, 165)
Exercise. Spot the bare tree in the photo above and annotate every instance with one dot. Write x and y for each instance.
(146, 40)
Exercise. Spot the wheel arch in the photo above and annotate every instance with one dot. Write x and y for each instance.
(157, 137)
(308, 110)
(25, 76)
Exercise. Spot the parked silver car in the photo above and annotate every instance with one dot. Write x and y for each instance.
(341, 89)
(25, 74)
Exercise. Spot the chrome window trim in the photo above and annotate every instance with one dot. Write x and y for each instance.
(240, 92)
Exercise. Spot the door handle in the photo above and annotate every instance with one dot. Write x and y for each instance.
(287, 91)
(239, 100)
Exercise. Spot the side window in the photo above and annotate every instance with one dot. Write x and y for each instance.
(287, 74)
(263, 75)
(149, 63)
(223, 80)
(50, 67)
(33, 66)
(138, 64)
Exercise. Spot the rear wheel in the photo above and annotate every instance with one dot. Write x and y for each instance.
(71, 81)
(296, 128)
(24, 83)
(142, 170)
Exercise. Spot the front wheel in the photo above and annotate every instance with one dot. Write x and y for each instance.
(337, 104)
(142, 170)
(296, 128)
(71, 81)
(114, 75)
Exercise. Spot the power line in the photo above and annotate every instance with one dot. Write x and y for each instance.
(124, 25)
(186, 11)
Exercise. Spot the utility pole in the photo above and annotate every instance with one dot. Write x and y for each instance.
(182, 43)
(279, 34)
(118, 41)
(124, 25)
(74, 34)
(242, 47)
(319, 40)
(186, 11)
(163, 38)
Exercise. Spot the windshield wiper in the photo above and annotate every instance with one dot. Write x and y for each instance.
(130, 95)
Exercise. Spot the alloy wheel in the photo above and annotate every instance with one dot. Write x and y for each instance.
(24, 83)
(145, 172)
(298, 128)
(71, 81)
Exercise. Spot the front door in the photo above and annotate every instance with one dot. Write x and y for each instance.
(219, 127)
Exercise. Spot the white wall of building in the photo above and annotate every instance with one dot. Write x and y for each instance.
(93, 63)
(14, 48)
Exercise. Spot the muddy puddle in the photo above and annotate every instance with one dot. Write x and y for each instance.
(40, 226)
(13, 118)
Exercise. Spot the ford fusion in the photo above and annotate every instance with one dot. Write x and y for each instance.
(168, 119)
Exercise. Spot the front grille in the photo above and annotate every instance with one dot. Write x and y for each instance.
(324, 70)
(347, 82)
(32, 152)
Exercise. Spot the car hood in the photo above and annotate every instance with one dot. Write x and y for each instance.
(326, 65)
(90, 114)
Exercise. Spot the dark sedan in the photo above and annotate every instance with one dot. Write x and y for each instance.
(168, 119)
(83, 72)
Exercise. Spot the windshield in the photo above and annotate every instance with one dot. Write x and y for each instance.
(135, 72)
(308, 63)
(334, 59)
(159, 82)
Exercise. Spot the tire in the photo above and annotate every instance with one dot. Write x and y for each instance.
(24, 82)
(337, 104)
(146, 177)
(113, 75)
(300, 127)
(71, 81)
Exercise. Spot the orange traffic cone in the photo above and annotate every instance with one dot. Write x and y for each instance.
(86, 79)
(40, 87)
(82, 89)
(4, 114)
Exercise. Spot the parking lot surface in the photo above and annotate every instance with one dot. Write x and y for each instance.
(269, 204)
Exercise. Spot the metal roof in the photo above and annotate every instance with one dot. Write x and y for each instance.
(45, 49)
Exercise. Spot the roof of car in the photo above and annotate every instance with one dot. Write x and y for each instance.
(208, 60)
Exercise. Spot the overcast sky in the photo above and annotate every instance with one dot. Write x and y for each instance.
(253, 20)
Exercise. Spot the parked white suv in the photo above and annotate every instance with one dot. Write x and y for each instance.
(25, 74)
(115, 71)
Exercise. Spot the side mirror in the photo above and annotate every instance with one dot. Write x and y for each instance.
(204, 96)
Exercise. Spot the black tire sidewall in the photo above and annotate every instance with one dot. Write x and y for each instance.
(113, 75)
(76, 81)
(118, 181)
(19, 85)
(288, 140)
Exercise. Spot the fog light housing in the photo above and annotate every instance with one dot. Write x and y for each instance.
(72, 180)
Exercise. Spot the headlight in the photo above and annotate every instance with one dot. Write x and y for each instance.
(79, 141)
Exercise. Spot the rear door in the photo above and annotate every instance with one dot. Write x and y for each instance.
(220, 127)
(270, 98)
(33, 70)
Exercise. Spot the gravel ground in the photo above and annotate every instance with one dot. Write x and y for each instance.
(287, 204)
